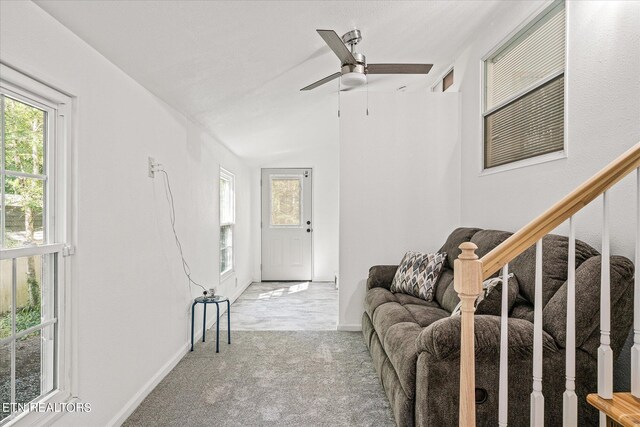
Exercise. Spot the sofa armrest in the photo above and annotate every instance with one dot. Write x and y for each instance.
(381, 276)
(442, 338)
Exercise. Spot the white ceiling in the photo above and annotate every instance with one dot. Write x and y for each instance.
(236, 67)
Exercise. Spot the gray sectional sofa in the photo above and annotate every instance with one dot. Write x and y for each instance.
(415, 344)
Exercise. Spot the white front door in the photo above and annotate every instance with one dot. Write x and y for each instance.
(287, 224)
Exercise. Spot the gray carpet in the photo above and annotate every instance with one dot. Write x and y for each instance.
(271, 378)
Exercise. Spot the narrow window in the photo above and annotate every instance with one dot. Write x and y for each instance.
(227, 221)
(444, 82)
(523, 111)
(32, 226)
(447, 81)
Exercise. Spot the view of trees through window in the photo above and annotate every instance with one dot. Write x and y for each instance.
(22, 208)
(24, 133)
(227, 220)
(285, 201)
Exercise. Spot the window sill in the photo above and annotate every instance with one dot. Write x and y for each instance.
(227, 275)
(550, 157)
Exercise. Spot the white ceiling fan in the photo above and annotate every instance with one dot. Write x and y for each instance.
(354, 68)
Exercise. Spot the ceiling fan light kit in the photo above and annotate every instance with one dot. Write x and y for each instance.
(354, 68)
(353, 79)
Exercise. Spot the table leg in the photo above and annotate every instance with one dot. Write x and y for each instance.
(229, 321)
(204, 321)
(193, 306)
(217, 328)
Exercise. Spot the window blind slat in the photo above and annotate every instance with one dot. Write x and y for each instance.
(531, 126)
(537, 53)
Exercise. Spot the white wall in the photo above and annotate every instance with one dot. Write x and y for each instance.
(316, 139)
(399, 184)
(133, 314)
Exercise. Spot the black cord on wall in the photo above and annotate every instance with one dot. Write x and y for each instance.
(172, 217)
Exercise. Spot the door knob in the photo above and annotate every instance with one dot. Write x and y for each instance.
(308, 230)
(308, 222)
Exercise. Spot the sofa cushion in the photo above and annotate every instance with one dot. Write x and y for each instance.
(455, 239)
(405, 299)
(386, 309)
(445, 280)
(555, 264)
(588, 303)
(487, 240)
(522, 309)
(417, 274)
(377, 296)
(424, 316)
(490, 299)
(450, 298)
(388, 315)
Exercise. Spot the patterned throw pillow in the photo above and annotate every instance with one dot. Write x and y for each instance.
(418, 273)
(493, 287)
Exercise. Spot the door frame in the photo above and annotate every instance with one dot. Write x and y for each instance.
(313, 220)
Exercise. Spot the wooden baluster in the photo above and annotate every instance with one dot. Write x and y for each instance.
(635, 350)
(605, 354)
(537, 398)
(570, 400)
(503, 391)
(468, 285)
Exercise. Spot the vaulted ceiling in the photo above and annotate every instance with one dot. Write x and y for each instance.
(236, 67)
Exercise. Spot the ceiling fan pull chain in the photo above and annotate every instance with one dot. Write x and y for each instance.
(367, 97)
(339, 87)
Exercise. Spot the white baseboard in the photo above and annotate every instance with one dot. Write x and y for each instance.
(135, 401)
(137, 398)
(240, 291)
(350, 327)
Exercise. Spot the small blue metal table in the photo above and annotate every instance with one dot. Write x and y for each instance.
(217, 299)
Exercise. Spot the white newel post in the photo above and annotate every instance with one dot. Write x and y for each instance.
(468, 285)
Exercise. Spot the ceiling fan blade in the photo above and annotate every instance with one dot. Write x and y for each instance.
(322, 81)
(398, 68)
(337, 46)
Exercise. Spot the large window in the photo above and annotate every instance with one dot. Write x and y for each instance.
(32, 238)
(523, 109)
(227, 221)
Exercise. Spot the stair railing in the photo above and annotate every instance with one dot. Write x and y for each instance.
(469, 272)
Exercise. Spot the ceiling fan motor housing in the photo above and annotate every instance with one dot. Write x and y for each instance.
(352, 37)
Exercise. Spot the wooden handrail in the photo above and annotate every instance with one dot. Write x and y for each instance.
(560, 212)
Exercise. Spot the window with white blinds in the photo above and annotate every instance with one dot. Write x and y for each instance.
(524, 92)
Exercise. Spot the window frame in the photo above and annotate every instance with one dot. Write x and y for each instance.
(59, 234)
(504, 43)
(228, 176)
